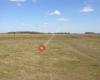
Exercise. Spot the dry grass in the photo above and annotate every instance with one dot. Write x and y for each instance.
(68, 57)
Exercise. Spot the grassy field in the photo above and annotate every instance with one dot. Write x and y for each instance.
(67, 57)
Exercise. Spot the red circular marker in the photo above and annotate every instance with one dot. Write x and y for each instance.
(42, 48)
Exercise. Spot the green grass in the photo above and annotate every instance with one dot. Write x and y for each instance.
(67, 57)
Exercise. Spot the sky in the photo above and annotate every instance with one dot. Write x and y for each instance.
(76, 16)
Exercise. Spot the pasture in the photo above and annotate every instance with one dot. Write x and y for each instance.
(67, 57)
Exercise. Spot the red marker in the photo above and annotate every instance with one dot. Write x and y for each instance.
(42, 48)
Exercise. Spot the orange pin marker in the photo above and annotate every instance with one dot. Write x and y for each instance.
(42, 48)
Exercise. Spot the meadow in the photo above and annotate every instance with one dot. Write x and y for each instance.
(67, 57)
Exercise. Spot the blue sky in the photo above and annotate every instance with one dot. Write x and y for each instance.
(50, 15)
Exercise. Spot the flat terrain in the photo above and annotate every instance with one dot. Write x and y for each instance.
(67, 57)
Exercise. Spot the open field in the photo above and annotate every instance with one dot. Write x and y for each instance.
(68, 57)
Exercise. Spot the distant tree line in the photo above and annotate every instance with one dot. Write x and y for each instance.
(25, 32)
(89, 33)
(33, 32)
(29, 32)
(60, 33)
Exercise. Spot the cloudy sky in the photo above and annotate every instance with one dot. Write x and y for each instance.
(50, 15)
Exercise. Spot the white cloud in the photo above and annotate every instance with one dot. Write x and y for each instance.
(87, 9)
(17, 0)
(55, 13)
(20, 2)
(62, 19)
